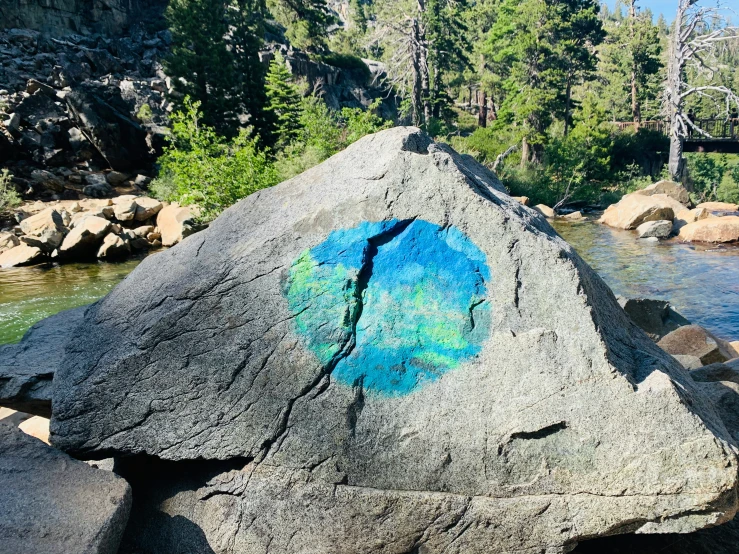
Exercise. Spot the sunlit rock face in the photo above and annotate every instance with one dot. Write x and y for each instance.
(390, 355)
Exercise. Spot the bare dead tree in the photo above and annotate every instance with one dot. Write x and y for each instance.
(693, 43)
(502, 156)
(403, 35)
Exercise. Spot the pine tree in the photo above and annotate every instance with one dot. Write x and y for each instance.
(215, 60)
(306, 22)
(283, 99)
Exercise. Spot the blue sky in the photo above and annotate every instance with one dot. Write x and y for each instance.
(664, 7)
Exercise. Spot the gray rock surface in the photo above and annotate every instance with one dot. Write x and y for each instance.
(27, 368)
(565, 422)
(52, 504)
(657, 229)
(655, 317)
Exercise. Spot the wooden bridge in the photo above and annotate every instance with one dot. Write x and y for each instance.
(724, 134)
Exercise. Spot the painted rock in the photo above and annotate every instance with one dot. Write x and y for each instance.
(389, 354)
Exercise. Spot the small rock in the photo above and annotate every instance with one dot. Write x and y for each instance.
(719, 206)
(545, 210)
(113, 247)
(151, 237)
(658, 229)
(688, 362)
(655, 317)
(47, 180)
(694, 340)
(522, 199)
(125, 210)
(47, 227)
(575, 216)
(142, 181)
(84, 240)
(98, 190)
(715, 372)
(116, 178)
(144, 230)
(634, 209)
(147, 208)
(174, 223)
(37, 427)
(20, 255)
(8, 240)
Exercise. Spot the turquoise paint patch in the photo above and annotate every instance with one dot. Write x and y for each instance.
(391, 305)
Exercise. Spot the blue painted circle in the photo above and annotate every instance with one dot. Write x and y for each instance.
(391, 305)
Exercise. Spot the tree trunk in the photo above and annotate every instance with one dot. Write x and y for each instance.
(423, 63)
(674, 99)
(635, 107)
(568, 102)
(417, 93)
(493, 115)
(482, 114)
(524, 152)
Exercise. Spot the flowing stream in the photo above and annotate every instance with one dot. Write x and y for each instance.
(701, 281)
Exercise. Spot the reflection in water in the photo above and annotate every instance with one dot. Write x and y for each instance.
(700, 281)
(29, 294)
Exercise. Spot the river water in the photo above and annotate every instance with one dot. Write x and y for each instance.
(701, 281)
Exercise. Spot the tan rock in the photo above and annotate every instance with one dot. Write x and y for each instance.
(113, 246)
(7, 241)
(669, 188)
(713, 229)
(143, 231)
(719, 206)
(658, 229)
(174, 224)
(688, 362)
(20, 255)
(125, 210)
(47, 227)
(36, 426)
(124, 199)
(694, 340)
(574, 216)
(522, 199)
(147, 208)
(94, 203)
(85, 238)
(635, 209)
(734, 344)
(151, 237)
(543, 209)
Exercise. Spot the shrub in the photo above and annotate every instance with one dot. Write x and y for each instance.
(199, 167)
(9, 198)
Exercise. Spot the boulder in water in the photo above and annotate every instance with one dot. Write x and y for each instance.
(713, 229)
(669, 188)
(391, 355)
(634, 209)
(694, 340)
(655, 317)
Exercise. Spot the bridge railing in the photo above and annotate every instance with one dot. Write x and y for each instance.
(718, 128)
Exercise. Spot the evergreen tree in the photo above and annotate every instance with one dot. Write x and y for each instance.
(215, 60)
(200, 64)
(283, 99)
(306, 22)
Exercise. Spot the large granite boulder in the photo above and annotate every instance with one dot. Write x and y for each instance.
(52, 504)
(27, 368)
(713, 229)
(396, 357)
(634, 209)
(670, 188)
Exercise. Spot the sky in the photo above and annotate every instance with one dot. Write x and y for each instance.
(664, 7)
(669, 7)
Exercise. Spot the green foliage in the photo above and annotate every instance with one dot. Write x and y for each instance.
(214, 60)
(144, 114)
(323, 133)
(306, 22)
(202, 168)
(283, 100)
(9, 198)
(714, 177)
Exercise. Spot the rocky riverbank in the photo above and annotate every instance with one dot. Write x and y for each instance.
(106, 229)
